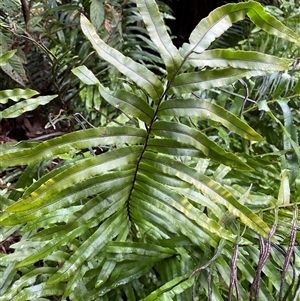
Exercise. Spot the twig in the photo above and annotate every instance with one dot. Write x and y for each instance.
(288, 257)
(233, 274)
(265, 249)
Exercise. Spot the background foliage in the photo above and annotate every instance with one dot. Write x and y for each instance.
(158, 173)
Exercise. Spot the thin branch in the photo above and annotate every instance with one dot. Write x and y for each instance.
(233, 274)
(244, 84)
(288, 257)
(265, 249)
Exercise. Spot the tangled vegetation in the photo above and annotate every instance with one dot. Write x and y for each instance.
(134, 170)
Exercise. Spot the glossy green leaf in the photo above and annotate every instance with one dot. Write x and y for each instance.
(97, 13)
(284, 189)
(132, 250)
(208, 110)
(25, 180)
(171, 147)
(36, 291)
(84, 169)
(170, 289)
(223, 17)
(124, 274)
(129, 103)
(210, 188)
(262, 105)
(185, 134)
(76, 287)
(27, 280)
(56, 237)
(195, 81)
(91, 246)
(159, 35)
(224, 58)
(82, 190)
(106, 271)
(8, 273)
(138, 73)
(15, 70)
(170, 200)
(125, 101)
(292, 160)
(74, 141)
(85, 75)
(25, 106)
(59, 216)
(4, 58)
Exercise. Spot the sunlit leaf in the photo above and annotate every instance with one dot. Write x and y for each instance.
(4, 58)
(159, 35)
(138, 73)
(195, 81)
(208, 110)
(16, 94)
(224, 58)
(97, 13)
(219, 20)
(25, 106)
(195, 138)
(74, 141)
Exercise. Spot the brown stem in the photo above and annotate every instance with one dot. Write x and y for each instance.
(26, 14)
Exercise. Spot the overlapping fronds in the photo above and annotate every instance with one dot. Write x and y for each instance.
(151, 217)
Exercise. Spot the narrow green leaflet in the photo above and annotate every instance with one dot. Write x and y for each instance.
(292, 161)
(210, 188)
(198, 198)
(74, 141)
(76, 287)
(224, 58)
(84, 189)
(125, 101)
(50, 240)
(171, 147)
(16, 94)
(270, 24)
(57, 216)
(129, 103)
(208, 110)
(195, 138)
(53, 238)
(7, 276)
(25, 180)
(123, 274)
(4, 58)
(27, 280)
(91, 246)
(223, 17)
(15, 70)
(136, 251)
(159, 35)
(85, 75)
(169, 290)
(25, 106)
(84, 169)
(138, 73)
(35, 291)
(262, 105)
(162, 217)
(196, 81)
(284, 190)
(97, 13)
(184, 210)
(107, 268)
